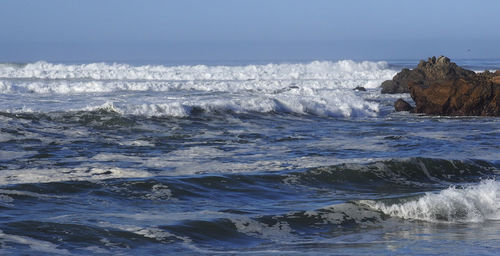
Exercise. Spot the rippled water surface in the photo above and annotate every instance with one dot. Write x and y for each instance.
(282, 159)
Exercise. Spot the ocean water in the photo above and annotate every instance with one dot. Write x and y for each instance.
(256, 159)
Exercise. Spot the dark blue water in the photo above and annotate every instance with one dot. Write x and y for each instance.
(278, 159)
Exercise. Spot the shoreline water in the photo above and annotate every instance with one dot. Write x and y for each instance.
(252, 159)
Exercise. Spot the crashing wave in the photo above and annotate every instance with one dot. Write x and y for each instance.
(344, 70)
(316, 88)
(474, 203)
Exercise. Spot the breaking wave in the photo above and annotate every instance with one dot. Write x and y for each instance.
(473, 203)
(316, 88)
(239, 224)
(341, 70)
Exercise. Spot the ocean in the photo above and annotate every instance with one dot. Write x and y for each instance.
(282, 158)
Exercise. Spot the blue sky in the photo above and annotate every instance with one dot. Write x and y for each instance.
(191, 30)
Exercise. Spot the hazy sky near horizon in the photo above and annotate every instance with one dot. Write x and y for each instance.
(190, 30)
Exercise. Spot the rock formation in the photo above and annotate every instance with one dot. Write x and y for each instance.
(478, 95)
(440, 87)
(425, 73)
(402, 105)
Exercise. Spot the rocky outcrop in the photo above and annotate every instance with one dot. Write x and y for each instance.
(477, 95)
(402, 105)
(440, 87)
(425, 73)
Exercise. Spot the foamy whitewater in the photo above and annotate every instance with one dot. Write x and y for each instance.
(276, 159)
(475, 203)
(318, 88)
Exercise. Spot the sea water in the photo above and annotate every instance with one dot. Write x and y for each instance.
(257, 159)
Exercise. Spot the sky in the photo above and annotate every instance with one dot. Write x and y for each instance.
(246, 30)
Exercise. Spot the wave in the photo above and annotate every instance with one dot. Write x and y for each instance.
(316, 88)
(243, 224)
(232, 228)
(396, 174)
(470, 204)
(241, 230)
(415, 174)
(198, 231)
(335, 103)
(345, 70)
(473, 203)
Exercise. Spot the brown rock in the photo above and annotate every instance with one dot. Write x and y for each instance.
(440, 87)
(496, 79)
(425, 73)
(462, 97)
(402, 105)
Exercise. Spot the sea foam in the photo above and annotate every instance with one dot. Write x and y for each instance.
(345, 70)
(316, 88)
(475, 203)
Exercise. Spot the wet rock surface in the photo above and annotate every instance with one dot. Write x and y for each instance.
(360, 89)
(440, 87)
(427, 72)
(402, 105)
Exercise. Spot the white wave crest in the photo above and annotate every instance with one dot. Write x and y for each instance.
(326, 103)
(345, 70)
(476, 203)
(316, 88)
